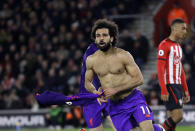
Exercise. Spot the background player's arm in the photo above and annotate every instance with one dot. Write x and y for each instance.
(161, 65)
(89, 77)
(183, 79)
(185, 87)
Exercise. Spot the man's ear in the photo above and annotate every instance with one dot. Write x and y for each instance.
(112, 39)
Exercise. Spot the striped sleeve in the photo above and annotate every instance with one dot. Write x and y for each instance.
(161, 65)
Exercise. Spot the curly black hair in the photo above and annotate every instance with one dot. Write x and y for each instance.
(110, 25)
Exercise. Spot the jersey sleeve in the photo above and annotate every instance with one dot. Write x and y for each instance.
(161, 65)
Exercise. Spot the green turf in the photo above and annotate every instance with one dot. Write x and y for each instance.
(180, 128)
(185, 128)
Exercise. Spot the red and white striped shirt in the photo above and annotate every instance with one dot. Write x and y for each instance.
(169, 66)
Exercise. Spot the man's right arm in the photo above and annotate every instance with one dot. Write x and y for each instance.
(89, 77)
(161, 65)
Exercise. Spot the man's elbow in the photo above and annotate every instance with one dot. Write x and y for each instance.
(86, 87)
(140, 80)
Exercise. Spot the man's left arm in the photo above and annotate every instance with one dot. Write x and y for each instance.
(133, 72)
(185, 87)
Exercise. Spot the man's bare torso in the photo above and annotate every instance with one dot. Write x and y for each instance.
(111, 70)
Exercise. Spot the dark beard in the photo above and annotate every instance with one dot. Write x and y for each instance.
(104, 48)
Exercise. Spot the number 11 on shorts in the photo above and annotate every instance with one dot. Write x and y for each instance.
(143, 109)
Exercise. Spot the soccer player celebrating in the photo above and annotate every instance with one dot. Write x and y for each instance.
(119, 76)
(174, 90)
(93, 110)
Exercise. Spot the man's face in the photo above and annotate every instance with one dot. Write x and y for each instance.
(181, 31)
(103, 39)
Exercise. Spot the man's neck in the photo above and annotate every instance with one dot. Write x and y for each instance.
(173, 38)
(109, 51)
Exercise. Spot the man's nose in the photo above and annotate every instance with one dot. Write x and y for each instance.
(101, 37)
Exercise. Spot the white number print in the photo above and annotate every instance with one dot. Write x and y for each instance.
(148, 110)
(143, 110)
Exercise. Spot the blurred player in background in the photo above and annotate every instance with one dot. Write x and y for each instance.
(174, 90)
(177, 13)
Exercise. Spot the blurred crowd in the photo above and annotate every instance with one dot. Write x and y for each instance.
(42, 44)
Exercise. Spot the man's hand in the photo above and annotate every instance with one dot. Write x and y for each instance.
(100, 89)
(165, 98)
(97, 92)
(101, 99)
(110, 92)
(186, 97)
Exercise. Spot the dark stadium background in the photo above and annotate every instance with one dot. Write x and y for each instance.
(42, 43)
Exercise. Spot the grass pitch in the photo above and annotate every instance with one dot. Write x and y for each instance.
(179, 128)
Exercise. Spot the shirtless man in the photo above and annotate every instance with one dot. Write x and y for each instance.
(119, 76)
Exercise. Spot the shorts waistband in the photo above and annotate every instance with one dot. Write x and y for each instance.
(127, 97)
(174, 85)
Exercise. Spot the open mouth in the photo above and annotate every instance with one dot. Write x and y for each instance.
(102, 44)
